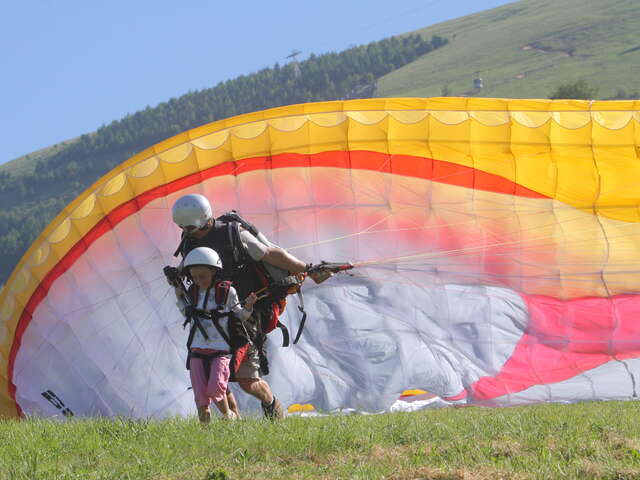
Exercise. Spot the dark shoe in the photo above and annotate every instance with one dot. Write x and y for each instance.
(274, 411)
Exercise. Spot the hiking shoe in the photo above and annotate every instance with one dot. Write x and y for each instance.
(273, 411)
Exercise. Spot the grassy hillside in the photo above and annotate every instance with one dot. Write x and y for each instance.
(26, 164)
(527, 48)
(581, 441)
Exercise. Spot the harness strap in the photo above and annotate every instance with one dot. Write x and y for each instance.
(215, 319)
(222, 292)
(189, 342)
(204, 356)
(193, 316)
(196, 318)
(221, 295)
(304, 317)
(236, 244)
(285, 333)
(179, 251)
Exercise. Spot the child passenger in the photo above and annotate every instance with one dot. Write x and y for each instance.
(213, 305)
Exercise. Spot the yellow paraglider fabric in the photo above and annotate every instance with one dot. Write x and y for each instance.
(567, 170)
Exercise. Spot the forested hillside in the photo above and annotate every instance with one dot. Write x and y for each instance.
(30, 200)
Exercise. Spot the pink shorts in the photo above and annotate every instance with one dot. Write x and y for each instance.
(216, 387)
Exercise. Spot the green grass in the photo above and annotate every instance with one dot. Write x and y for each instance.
(588, 440)
(594, 40)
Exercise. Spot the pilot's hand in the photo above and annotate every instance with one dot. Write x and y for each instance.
(250, 301)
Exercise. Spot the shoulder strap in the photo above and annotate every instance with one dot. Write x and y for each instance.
(232, 216)
(237, 248)
(192, 293)
(222, 292)
(303, 319)
(191, 317)
(219, 240)
(180, 249)
(192, 297)
(233, 222)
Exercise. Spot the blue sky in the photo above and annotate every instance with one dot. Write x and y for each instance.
(70, 66)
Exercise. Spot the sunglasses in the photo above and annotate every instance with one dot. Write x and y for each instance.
(192, 228)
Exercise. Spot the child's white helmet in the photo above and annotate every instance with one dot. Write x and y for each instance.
(203, 256)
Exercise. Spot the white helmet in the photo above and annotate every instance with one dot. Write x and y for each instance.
(192, 210)
(203, 256)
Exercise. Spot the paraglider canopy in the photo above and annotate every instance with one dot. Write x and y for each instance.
(495, 245)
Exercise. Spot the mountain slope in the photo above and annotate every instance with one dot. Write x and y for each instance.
(527, 48)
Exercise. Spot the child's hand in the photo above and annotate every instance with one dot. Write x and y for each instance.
(250, 301)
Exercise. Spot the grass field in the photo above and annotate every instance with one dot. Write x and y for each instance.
(527, 49)
(585, 441)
